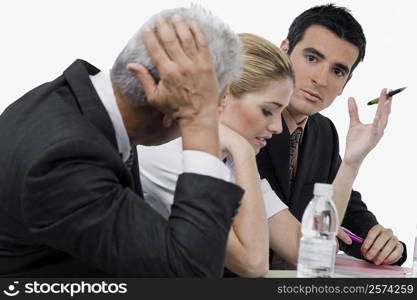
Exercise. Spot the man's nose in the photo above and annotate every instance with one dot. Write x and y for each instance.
(320, 76)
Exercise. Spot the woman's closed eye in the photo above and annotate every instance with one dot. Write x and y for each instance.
(266, 112)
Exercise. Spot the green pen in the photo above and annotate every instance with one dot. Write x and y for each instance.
(389, 95)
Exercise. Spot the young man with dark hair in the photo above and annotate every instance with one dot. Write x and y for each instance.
(325, 44)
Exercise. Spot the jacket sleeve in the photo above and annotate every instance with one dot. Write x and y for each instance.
(358, 218)
(74, 200)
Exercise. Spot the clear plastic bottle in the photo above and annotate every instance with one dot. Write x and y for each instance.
(319, 227)
(414, 269)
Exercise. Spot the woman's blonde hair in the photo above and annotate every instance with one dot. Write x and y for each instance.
(262, 62)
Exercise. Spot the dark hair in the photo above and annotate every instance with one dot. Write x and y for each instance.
(336, 19)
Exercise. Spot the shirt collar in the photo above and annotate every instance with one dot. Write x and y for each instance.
(291, 124)
(103, 86)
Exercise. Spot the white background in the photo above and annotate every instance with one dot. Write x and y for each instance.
(39, 39)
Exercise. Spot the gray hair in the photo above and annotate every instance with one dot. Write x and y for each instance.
(224, 45)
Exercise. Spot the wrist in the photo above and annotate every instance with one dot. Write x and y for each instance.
(353, 160)
(200, 135)
(192, 116)
(351, 166)
(199, 123)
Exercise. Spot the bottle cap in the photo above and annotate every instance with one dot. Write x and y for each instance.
(323, 189)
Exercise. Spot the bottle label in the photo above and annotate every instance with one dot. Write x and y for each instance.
(317, 253)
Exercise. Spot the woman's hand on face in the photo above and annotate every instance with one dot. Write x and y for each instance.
(232, 142)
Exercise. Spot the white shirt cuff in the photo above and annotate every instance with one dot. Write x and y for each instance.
(203, 163)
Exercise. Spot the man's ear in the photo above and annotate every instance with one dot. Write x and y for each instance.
(341, 91)
(285, 45)
(167, 121)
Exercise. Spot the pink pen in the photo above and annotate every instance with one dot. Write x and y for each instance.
(353, 236)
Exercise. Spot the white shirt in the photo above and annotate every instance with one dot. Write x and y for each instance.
(198, 162)
(159, 170)
(104, 89)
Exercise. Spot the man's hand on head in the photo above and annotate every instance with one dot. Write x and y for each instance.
(188, 89)
(188, 86)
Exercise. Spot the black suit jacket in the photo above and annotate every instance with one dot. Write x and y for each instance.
(70, 207)
(318, 161)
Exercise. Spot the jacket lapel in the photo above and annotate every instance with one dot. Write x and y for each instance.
(90, 105)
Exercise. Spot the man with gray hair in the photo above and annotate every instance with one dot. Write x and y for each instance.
(70, 197)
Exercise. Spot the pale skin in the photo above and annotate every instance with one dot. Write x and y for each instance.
(322, 63)
(247, 245)
(247, 121)
(243, 115)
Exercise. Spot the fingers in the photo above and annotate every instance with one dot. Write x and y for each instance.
(155, 50)
(382, 101)
(188, 84)
(353, 112)
(395, 255)
(370, 238)
(383, 110)
(145, 78)
(386, 110)
(173, 44)
(200, 39)
(176, 43)
(344, 237)
(385, 251)
(381, 116)
(185, 36)
(169, 38)
(379, 244)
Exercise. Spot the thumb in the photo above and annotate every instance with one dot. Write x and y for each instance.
(145, 78)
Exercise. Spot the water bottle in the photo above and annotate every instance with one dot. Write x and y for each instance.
(414, 269)
(319, 227)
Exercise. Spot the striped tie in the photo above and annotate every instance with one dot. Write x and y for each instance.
(294, 141)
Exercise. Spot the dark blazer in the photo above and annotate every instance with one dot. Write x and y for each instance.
(70, 207)
(319, 161)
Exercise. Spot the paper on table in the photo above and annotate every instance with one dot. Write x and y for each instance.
(365, 268)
